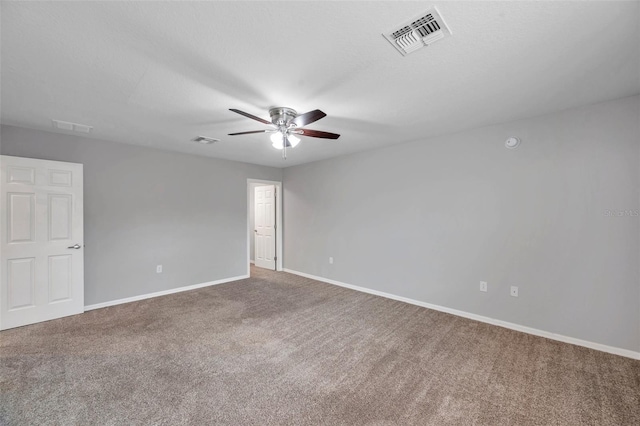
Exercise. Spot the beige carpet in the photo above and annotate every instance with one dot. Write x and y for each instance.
(280, 349)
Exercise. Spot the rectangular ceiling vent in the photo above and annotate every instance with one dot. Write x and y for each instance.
(71, 127)
(420, 31)
(205, 140)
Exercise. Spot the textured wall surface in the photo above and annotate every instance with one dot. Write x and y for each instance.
(144, 207)
(428, 220)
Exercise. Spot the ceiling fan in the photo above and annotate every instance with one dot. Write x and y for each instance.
(287, 124)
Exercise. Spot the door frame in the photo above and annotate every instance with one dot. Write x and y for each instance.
(279, 233)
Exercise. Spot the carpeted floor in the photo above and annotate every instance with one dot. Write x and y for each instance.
(281, 349)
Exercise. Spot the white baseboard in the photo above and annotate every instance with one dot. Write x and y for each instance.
(541, 333)
(162, 293)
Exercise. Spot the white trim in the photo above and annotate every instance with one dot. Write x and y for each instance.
(541, 333)
(279, 239)
(162, 293)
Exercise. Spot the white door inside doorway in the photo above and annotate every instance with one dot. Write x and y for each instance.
(42, 270)
(265, 226)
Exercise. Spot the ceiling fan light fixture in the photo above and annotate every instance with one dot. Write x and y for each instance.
(276, 138)
(293, 140)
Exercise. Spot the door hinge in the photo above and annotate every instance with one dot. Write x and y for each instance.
(275, 258)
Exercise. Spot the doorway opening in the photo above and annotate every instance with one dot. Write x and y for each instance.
(264, 224)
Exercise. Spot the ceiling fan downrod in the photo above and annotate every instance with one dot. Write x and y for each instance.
(282, 118)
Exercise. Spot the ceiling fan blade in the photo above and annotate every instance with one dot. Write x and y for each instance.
(253, 117)
(248, 133)
(308, 117)
(317, 134)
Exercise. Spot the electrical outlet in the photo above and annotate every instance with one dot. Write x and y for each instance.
(514, 291)
(159, 269)
(331, 261)
(483, 286)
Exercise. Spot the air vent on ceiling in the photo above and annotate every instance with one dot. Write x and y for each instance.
(71, 127)
(205, 140)
(418, 32)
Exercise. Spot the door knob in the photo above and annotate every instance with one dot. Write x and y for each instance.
(75, 246)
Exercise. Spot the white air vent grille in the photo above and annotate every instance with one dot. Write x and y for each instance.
(418, 32)
(72, 127)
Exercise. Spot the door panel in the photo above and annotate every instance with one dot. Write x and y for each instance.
(60, 277)
(24, 175)
(22, 217)
(41, 274)
(21, 274)
(59, 178)
(60, 217)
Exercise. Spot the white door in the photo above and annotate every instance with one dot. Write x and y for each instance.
(265, 226)
(41, 269)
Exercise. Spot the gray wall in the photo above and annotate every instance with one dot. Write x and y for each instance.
(428, 220)
(144, 207)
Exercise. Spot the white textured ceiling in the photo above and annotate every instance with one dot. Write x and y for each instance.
(160, 73)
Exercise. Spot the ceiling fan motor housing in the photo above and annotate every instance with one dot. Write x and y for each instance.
(282, 116)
